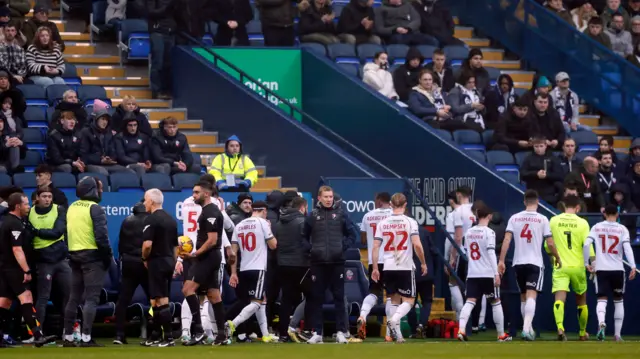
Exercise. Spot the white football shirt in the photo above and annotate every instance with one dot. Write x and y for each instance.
(369, 223)
(190, 213)
(480, 245)
(451, 229)
(464, 217)
(529, 230)
(608, 238)
(252, 235)
(395, 233)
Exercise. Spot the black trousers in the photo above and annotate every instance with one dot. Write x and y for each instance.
(424, 290)
(296, 281)
(273, 284)
(133, 275)
(323, 277)
(278, 36)
(225, 34)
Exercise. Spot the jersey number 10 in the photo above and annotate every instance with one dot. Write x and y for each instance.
(392, 236)
(248, 241)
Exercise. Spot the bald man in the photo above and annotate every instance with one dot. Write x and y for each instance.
(585, 179)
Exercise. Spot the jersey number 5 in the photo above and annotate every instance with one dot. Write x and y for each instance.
(612, 248)
(403, 241)
(526, 233)
(248, 241)
(192, 220)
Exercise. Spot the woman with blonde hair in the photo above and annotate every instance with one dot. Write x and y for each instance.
(582, 14)
(45, 64)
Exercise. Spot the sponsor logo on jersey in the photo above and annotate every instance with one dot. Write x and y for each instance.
(145, 227)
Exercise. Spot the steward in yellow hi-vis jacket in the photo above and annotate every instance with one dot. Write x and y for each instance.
(234, 167)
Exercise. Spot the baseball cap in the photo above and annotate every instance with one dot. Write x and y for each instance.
(561, 76)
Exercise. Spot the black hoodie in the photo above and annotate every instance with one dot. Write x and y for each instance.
(274, 202)
(118, 123)
(406, 77)
(311, 19)
(132, 149)
(170, 149)
(130, 238)
(293, 248)
(624, 206)
(63, 147)
(77, 109)
(350, 21)
(511, 129)
(498, 103)
(96, 143)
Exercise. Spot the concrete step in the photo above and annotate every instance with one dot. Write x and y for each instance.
(101, 71)
(74, 36)
(450, 315)
(521, 76)
(59, 24)
(79, 48)
(510, 65)
(92, 59)
(158, 114)
(491, 54)
(137, 92)
(622, 142)
(115, 81)
(606, 130)
(145, 103)
(207, 149)
(590, 120)
(476, 42)
(463, 32)
(189, 125)
(201, 138)
(522, 85)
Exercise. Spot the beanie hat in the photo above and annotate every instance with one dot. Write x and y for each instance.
(99, 106)
(543, 81)
(244, 196)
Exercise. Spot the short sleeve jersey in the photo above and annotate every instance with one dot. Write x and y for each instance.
(162, 230)
(529, 230)
(569, 234)
(12, 234)
(464, 217)
(608, 239)
(478, 242)
(369, 224)
(210, 221)
(395, 233)
(251, 235)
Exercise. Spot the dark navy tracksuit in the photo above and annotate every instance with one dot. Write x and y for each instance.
(424, 284)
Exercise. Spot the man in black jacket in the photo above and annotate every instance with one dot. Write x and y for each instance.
(97, 146)
(232, 17)
(274, 202)
(498, 100)
(277, 17)
(548, 121)
(48, 226)
(43, 180)
(515, 129)
(63, 146)
(133, 147)
(355, 24)
(541, 172)
(328, 232)
(134, 273)
(162, 32)
(241, 209)
(293, 263)
(436, 20)
(170, 151)
(406, 76)
(443, 73)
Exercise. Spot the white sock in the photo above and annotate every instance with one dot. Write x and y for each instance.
(601, 311)
(391, 310)
(261, 315)
(368, 303)
(483, 310)
(522, 304)
(618, 316)
(212, 319)
(402, 310)
(246, 313)
(204, 318)
(529, 313)
(498, 317)
(387, 308)
(185, 315)
(456, 299)
(465, 313)
(67, 337)
(87, 337)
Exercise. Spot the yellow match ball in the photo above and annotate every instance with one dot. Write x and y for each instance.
(185, 245)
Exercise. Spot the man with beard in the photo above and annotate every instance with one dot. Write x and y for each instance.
(606, 174)
(241, 209)
(585, 179)
(515, 129)
(406, 76)
(12, 53)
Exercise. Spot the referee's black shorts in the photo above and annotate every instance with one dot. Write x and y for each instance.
(160, 277)
(206, 271)
(11, 283)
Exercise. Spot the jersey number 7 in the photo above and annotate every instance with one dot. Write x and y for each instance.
(402, 245)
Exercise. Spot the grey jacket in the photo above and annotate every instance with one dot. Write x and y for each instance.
(621, 42)
(389, 18)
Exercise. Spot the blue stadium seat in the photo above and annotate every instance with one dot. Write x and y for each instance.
(63, 180)
(104, 179)
(124, 181)
(88, 93)
(487, 138)
(156, 180)
(55, 92)
(520, 156)
(198, 160)
(477, 156)
(519, 91)
(580, 156)
(254, 29)
(511, 177)
(585, 140)
(26, 180)
(34, 94)
(397, 53)
(351, 69)
(502, 160)
(366, 52)
(493, 74)
(35, 116)
(337, 9)
(426, 50)
(34, 139)
(31, 160)
(207, 39)
(71, 73)
(444, 134)
(133, 39)
(49, 114)
(356, 284)
(314, 47)
(343, 53)
(185, 180)
(469, 140)
(5, 179)
(456, 53)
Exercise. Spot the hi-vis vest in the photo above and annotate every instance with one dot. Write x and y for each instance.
(241, 167)
(44, 221)
(80, 226)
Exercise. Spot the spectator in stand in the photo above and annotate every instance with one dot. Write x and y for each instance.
(595, 31)
(607, 173)
(241, 209)
(41, 19)
(10, 148)
(567, 104)
(19, 9)
(43, 180)
(539, 85)
(70, 102)
(63, 145)
(436, 20)
(585, 179)
(605, 145)
(619, 195)
(568, 160)
(277, 18)
(498, 100)
(12, 55)
(116, 12)
(549, 123)
(571, 190)
(407, 76)
(632, 180)
(635, 31)
(515, 129)
(582, 14)
(45, 64)
(635, 58)
(633, 8)
(129, 106)
(399, 23)
(232, 17)
(473, 63)
(355, 24)
(613, 7)
(621, 40)
(466, 103)
(426, 101)
(541, 172)
(132, 146)
(233, 168)
(376, 74)
(15, 124)
(556, 7)
(443, 73)
(97, 146)
(316, 22)
(14, 102)
(160, 15)
(170, 151)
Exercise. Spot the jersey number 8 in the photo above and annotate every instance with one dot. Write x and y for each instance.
(248, 241)
(403, 241)
(475, 251)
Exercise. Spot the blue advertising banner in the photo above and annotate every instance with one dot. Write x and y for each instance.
(119, 205)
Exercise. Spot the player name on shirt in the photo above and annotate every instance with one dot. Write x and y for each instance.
(394, 226)
(529, 219)
(246, 226)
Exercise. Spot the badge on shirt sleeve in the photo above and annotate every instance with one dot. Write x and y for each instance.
(587, 195)
(16, 234)
(501, 109)
(139, 141)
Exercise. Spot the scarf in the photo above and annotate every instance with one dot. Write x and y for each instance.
(434, 96)
(564, 105)
(505, 100)
(471, 96)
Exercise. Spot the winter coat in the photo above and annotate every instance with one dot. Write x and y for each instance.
(497, 103)
(118, 124)
(350, 21)
(311, 19)
(116, 10)
(380, 79)
(63, 147)
(405, 77)
(166, 149)
(435, 20)
(621, 41)
(93, 148)
(276, 13)
(447, 81)
(590, 191)
(77, 109)
(511, 129)
(529, 173)
(392, 17)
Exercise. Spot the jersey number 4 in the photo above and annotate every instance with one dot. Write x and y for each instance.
(526, 233)
(402, 245)
(614, 243)
(248, 241)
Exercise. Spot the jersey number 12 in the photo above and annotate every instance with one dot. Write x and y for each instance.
(612, 248)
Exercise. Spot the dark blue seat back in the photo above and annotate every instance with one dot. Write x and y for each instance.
(156, 180)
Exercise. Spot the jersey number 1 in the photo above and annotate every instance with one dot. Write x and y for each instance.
(403, 241)
(612, 248)
(248, 241)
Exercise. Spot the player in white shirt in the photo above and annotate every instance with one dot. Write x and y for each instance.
(483, 279)
(456, 295)
(529, 230)
(393, 235)
(190, 213)
(367, 232)
(253, 238)
(610, 239)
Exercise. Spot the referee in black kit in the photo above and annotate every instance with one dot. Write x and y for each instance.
(205, 271)
(159, 252)
(15, 273)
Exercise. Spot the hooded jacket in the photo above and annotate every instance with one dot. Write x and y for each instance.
(549, 125)
(276, 13)
(132, 149)
(392, 17)
(511, 129)
(274, 203)
(118, 123)
(293, 248)
(497, 103)
(236, 214)
(57, 251)
(130, 242)
(406, 77)
(96, 143)
(425, 104)
(590, 191)
(18, 106)
(328, 232)
(63, 147)
(30, 27)
(481, 74)
(87, 189)
(170, 149)
(380, 79)
(240, 165)
(77, 109)
(445, 79)
(626, 205)
(311, 18)
(350, 21)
